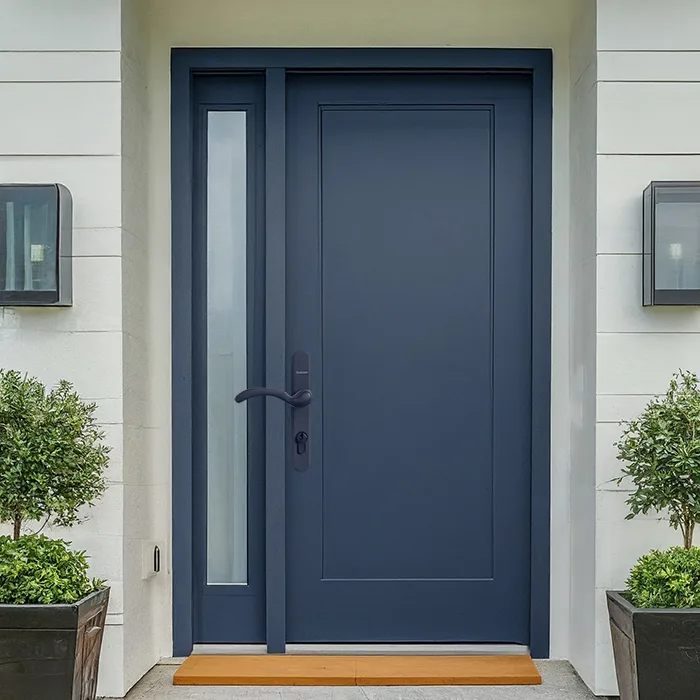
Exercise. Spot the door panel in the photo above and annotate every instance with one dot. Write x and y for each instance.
(409, 283)
(228, 347)
(394, 300)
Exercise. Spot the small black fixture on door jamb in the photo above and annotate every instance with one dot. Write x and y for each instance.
(35, 245)
(671, 244)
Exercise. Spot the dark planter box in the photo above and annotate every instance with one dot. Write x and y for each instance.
(657, 652)
(52, 652)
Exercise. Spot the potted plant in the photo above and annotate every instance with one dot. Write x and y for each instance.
(52, 614)
(655, 622)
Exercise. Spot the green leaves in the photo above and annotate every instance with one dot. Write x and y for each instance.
(51, 455)
(36, 569)
(661, 454)
(669, 579)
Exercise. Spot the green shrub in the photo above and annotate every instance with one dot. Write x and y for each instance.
(36, 569)
(51, 455)
(668, 579)
(661, 454)
(51, 464)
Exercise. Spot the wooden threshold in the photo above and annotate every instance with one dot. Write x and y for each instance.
(285, 669)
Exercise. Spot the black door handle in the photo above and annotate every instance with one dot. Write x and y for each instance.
(298, 400)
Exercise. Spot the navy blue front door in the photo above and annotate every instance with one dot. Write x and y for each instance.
(409, 283)
(402, 203)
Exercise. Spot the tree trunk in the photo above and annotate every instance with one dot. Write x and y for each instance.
(688, 533)
(18, 525)
(687, 527)
(686, 521)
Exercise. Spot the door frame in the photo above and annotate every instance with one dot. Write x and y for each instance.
(186, 65)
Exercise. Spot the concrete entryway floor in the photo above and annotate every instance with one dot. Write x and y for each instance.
(559, 683)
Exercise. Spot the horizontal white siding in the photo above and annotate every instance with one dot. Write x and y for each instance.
(648, 25)
(103, 521)
(618, 544)
(91, 359)
(651, 117)
(95, 307)
(612, 408)
(60, 25)
(60, 119)
(649, 66)
(59, 66)
(621, 181)
(95, 182)
(642, 363)
(619, 301)
(97, 242)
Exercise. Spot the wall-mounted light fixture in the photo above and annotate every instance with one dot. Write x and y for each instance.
(35, 245)
(671, 246)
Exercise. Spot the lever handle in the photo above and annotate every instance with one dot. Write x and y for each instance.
(298, 400)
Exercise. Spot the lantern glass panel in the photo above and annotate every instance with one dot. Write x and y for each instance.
(677, 245)
(28, 239)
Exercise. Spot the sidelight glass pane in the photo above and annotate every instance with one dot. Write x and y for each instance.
(227, 444)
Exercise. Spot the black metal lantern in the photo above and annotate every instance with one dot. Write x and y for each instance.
(35, 245)
(671, 246)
